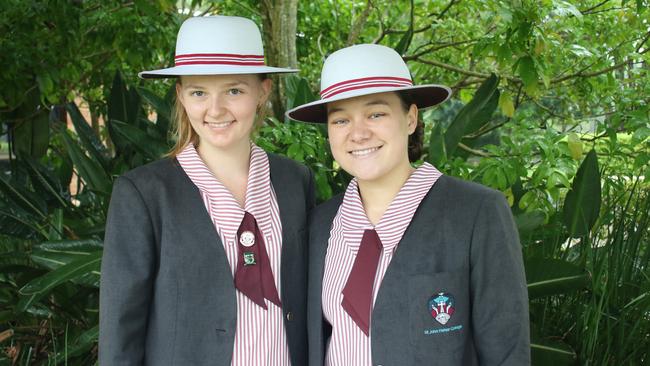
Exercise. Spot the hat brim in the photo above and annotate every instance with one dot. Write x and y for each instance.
(176, 71)
(423, 96)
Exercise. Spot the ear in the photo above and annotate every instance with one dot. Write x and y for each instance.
(266, 86)
(412, 118)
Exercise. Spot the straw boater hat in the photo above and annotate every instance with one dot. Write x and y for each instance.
(366, 69)
(217, 45)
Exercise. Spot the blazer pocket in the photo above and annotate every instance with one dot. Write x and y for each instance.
(439, 314)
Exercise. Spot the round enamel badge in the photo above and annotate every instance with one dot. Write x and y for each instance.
(247, 239)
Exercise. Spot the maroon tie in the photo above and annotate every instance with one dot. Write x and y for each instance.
(357, 294)
(254, 277)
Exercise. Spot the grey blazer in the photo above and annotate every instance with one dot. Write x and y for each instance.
(167, 295)
(462, 241)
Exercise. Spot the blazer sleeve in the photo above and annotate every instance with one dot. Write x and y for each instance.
(500, 317)
(127, 273)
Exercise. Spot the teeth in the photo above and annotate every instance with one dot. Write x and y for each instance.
(218, 124)
(364, 151)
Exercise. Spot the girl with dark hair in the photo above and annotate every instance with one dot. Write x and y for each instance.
(407, 266)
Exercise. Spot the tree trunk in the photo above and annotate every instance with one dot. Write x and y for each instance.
(279, 22)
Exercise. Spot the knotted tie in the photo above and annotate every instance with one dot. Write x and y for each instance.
(254, 277)
(357, 293)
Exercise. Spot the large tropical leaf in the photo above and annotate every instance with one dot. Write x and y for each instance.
(547, 276)
(406, 39)
(91, 171)
(20, 197)
(437, 155)
(140, 140)
(162, 107)
(83, 343)
(582, 203)
(89, 139)
(297, 91)
(480, 108)
(123, 104)
(547, 352)
(55, 254)
(41, 286)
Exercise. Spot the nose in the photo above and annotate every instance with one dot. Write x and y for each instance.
(359, 131)
(215, 108)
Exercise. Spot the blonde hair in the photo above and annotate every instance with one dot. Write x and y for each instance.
(183, 133)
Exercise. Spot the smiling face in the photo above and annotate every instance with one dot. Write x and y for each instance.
(222, 108)
(369, 136)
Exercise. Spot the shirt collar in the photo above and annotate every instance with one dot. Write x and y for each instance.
(258, 186)
(397, 217)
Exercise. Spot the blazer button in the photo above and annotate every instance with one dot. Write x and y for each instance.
(289, 316)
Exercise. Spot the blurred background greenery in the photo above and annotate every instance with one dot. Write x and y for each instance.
(550, 106)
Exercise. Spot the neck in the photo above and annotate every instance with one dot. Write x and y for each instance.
(226, 164)
(377, 195)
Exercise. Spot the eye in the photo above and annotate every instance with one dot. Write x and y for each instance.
(197, 93)
(339, 121)
(377, 115)
(235, 91)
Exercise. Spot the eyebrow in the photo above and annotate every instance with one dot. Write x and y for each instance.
(370, 103)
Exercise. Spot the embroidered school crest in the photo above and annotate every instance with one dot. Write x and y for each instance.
(441, 307)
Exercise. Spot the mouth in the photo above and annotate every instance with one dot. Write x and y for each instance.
(218, 125)
(360, 153)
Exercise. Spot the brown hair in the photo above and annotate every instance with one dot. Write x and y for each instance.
(183, 132)
(416, 139)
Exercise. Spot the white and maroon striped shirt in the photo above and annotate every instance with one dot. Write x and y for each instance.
(348, 344)
(260, 338)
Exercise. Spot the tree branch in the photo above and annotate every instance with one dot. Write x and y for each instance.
(590, 74)
(474, 151)
(589, 10)
(445, 10)
(361, 20)
(436, 48)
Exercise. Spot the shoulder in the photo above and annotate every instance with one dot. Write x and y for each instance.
(157, 170)
(465, 193)
(284, 171)
(326, 211)
(154, 178)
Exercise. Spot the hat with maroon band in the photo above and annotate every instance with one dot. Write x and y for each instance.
(217, 45)
(366, 69)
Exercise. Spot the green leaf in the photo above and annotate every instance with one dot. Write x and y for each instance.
(547, 352)
(529, 221)
(80, 267)
(297, 91)
(123, 104)
(91, 171)
(80, 345)
(528, 74)
(506, 104)
(162, 107)
(437, 155)
(89, 139)
(546, 276)
(575, 146)
(140, 140)
(54, 254)
(404, 43)
(23, 198)
(44, 182)
(582, 202)
(480, 108)
(32, 135)
(564, 8)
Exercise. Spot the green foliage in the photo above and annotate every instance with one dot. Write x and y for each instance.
(536, 85)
